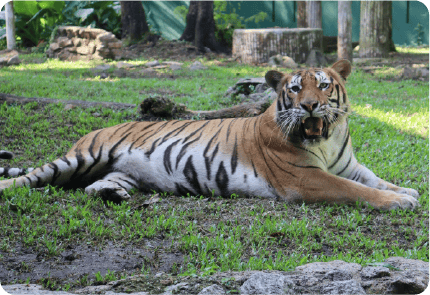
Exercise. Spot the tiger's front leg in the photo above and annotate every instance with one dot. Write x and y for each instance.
(364, 176)
(319, 186)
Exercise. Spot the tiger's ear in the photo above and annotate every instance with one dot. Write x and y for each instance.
(273, 78)
(343, 67)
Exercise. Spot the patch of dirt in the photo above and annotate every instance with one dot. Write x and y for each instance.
(165, 49)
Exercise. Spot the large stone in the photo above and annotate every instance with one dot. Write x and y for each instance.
(343, 287)
(282, 61)
(213, 289)
(14, 60)
(267, 283)
(326, 267)
(197, 66)
(371, 272)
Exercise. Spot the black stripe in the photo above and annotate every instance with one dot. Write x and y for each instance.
(81, 162)
(287, 104)
(28, 178)
(117, 183)
(118, 129)
(209, 160)
(228, 129)
(221, 180)
(338, 94)
(322, 153)
(56, 173)
(255, 171)
(112, 160)
(191, 175)
(64, 159)
(194, 132)
(275, 162)
(96, 161)
(128, 182)
(357, 174)
(39, 181)
(234, 157)
(155, 133)
(144, 128)
(184, 149)
(153, 146)
(93, 143)
(5, 172)
(346, 166)
(341, 151)
(181, 190)
(278, 104)
(181, 128)
(166, 157)
(312, 154)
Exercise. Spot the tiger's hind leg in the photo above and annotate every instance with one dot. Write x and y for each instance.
(113, 187)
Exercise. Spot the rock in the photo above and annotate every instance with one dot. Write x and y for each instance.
(30, 289)
(343, 287)
(69, 107)
(152, 63)
(197, 66)
(371, 272)
(84, 43)
(176, 288)
(326, 267)
(103, 67)
(408, 282)
(213, 289)
(408, 264)
(267, 283)
(282, 61)
(316, 59)
(14, 60)
(175, 67)
(9, 57)
(122, 64)
(415, 73)
(338, 275)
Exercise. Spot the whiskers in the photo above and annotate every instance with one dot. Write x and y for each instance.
(333, 115)
(288, 120)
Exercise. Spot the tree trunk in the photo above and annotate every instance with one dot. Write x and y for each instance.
(133, 20)
(10, 26)
(190, 29)
(374, 29)
(344, 36)
(389, 17)
(314, 14)
(301, 14)
(200, 27)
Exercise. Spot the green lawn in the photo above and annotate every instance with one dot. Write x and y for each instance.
(389, 126)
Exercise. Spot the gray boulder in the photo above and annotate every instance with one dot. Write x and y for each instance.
(267, 283)
(213, 289)
(343, 287)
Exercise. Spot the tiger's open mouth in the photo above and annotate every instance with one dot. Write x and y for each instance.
(314, 128)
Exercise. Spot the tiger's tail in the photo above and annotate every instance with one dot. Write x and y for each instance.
(11, 172)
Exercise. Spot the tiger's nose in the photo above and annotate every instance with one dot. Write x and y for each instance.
(309, 106)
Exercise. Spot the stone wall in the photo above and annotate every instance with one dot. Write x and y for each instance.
(74, 43)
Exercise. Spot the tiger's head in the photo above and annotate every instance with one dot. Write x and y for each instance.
(311, 102)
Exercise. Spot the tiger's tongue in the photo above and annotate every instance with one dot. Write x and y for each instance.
(313, 126)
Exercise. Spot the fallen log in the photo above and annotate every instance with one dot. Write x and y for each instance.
(13, 99)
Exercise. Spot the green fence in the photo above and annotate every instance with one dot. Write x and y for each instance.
(406, 17)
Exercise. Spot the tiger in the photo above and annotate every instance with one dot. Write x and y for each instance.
(299, 150)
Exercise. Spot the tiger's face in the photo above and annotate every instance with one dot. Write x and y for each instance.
(310, 102)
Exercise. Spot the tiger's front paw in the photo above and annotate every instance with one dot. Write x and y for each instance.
(399, 201)
(408, 191)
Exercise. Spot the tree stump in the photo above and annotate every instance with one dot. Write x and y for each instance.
(254, 46)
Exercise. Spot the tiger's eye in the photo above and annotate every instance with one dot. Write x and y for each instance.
(295, 88)
(323, 85)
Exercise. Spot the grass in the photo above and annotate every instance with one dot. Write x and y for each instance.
(389, 127)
